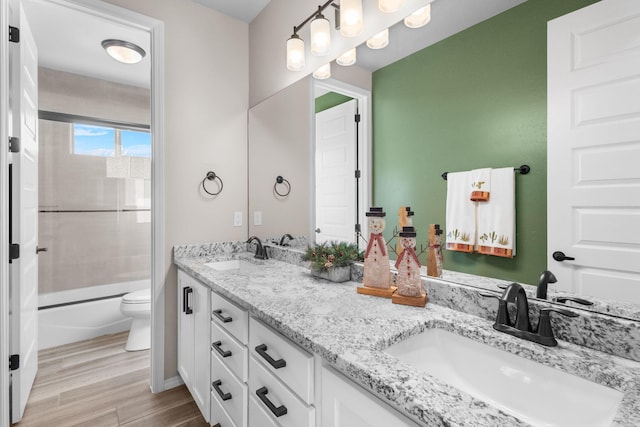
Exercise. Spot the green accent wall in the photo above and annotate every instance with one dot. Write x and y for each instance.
(330, 100)
(477, 99)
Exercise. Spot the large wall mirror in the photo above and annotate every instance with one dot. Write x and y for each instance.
(475, 99)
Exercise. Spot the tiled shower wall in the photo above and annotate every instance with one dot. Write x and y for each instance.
(94, 211)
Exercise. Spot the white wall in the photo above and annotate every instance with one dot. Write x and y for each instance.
(206, 102)
(271, 29)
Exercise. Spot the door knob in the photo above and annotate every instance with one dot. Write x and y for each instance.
(38, 250)
(560, 256)
(318, 230)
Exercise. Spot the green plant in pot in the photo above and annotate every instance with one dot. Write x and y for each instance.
(332, 260)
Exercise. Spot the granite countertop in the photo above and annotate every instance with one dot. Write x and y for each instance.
(349, 331)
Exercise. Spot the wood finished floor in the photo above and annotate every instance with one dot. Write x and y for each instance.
(97, 383)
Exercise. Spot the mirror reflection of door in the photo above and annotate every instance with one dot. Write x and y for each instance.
(335, 165)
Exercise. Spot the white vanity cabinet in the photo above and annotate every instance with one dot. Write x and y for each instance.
(345, 404)
(193, 343)
(229, 363)
(281, 380)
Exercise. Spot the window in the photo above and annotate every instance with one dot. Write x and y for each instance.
(90, 140)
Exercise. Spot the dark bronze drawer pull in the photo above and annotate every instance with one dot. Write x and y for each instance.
(216, 345)
(218, 314)
(277, 364)
(216, 386)
(279, 411)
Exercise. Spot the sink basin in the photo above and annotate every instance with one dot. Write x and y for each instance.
(234, 266)
(535, 393)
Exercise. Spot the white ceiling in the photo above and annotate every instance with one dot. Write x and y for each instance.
(68, 40)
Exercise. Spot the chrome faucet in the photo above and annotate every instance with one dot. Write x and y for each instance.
(285, 236)
(261, 251)
(521, 327)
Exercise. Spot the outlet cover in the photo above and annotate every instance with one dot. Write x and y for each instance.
(257, 218)
(237, 219)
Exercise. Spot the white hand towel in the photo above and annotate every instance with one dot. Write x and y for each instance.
(461, 215)
(497, 217)
(480, 185)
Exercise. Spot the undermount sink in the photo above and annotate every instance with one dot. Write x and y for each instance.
(535, 393)
(234, 266)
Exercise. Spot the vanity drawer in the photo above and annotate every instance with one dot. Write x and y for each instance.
(279, 397)
(231, 317)
(258, 416)
(297, 372)
(230, 393)
(218, 414)
(233, 354)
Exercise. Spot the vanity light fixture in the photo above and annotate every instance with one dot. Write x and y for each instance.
(295, 52)
(123, 51)
(419, 18)
(323, 72)
(351, 21)
(320, 35)
(390, 6)
(379, 41)
(347, 58)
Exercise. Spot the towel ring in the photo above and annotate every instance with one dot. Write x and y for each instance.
(281, 180)
(211, 176)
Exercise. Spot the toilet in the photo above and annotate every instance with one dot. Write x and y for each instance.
(137, 305)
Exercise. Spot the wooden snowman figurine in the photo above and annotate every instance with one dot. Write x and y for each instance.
(410, 289)
(377, 273)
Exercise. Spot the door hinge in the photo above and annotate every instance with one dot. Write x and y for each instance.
(357, 118)
(14, 251)
(14, 362)
(14, 34)
(357, 174)
(14, 144)
(358, 228)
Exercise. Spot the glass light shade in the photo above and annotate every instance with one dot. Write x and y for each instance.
(419, 18)
(350, 17)
(122, 51)
(320, 36)
(379, 41)
(323, 72)
(295, 53)
(390, 6)
(347, 58)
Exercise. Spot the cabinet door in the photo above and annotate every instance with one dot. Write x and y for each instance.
(185, 328)
(345, 404)
(201, 347)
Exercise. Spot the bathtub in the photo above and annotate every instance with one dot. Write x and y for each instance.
(80, 314)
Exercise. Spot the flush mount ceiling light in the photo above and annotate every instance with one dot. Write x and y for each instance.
(390, 6)
(122, 51)
(419, 18)
(379, 41)
(347, 58)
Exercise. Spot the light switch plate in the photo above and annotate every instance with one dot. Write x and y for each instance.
(237, 219)
(257, 218)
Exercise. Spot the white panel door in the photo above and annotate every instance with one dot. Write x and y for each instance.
(593, 150)
(335, 173)
(23, 272)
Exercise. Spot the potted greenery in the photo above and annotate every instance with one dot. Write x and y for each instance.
(332, 261)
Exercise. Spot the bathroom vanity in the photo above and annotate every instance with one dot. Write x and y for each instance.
(274, 346)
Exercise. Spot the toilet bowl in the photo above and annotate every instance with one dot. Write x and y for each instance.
(137, 305)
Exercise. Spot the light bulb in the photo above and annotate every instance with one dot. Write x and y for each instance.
(379, 41)
(347, 58)
(320, 36)
(295, 53)
(419, 18)
(350, 17)
(323, 72)
(390, 6)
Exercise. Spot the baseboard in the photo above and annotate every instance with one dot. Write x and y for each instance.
(173, 382)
